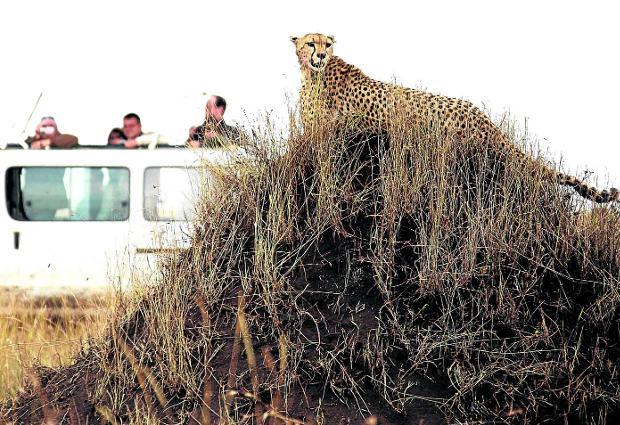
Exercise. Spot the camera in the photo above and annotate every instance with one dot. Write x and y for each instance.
(47, 130)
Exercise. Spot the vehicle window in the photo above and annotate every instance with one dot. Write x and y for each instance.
(170, 192)
(68, 193)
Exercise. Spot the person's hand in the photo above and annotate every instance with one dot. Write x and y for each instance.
(192, 131)
(41, 144)
(37, 131)
(131, 143)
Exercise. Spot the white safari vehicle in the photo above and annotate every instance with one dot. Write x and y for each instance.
(82, 219)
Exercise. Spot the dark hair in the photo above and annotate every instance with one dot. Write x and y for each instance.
(116, 133)
(220, 102)
(132, 115)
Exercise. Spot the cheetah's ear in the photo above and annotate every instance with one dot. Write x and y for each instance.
(331, 37)
(294, 39)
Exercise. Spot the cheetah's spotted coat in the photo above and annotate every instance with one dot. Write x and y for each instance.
(346, 90)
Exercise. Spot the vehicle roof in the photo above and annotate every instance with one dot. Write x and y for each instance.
(117, 157)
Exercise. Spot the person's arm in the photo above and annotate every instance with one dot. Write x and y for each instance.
(37, 142)
(131, 144)
(198, 134)
(34, 142)
(64, 141)
(231, 132)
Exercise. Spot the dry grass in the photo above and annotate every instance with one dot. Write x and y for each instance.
(43, 331)
(356, 278)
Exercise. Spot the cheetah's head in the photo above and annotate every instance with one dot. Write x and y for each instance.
(313, 50)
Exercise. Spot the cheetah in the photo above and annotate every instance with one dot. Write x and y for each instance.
(346, 90)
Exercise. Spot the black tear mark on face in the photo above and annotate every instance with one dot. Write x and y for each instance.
(313, 47)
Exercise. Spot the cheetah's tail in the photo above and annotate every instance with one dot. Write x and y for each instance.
(581, 187)
(589, 192)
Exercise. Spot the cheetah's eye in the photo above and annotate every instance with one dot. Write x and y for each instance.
(328, 45)
(310, 44)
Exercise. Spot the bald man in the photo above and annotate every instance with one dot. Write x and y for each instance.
(214, 131)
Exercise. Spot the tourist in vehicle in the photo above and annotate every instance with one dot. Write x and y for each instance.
(136, 138)
(132, 128)
(213, 132)
(47, 136)
(116, 138)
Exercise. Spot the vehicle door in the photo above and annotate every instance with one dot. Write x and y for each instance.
(170, 196)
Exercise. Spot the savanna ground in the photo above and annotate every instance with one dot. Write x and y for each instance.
(44, 330)
(357, 279)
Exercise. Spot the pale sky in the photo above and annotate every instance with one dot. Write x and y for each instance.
(555, 63)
